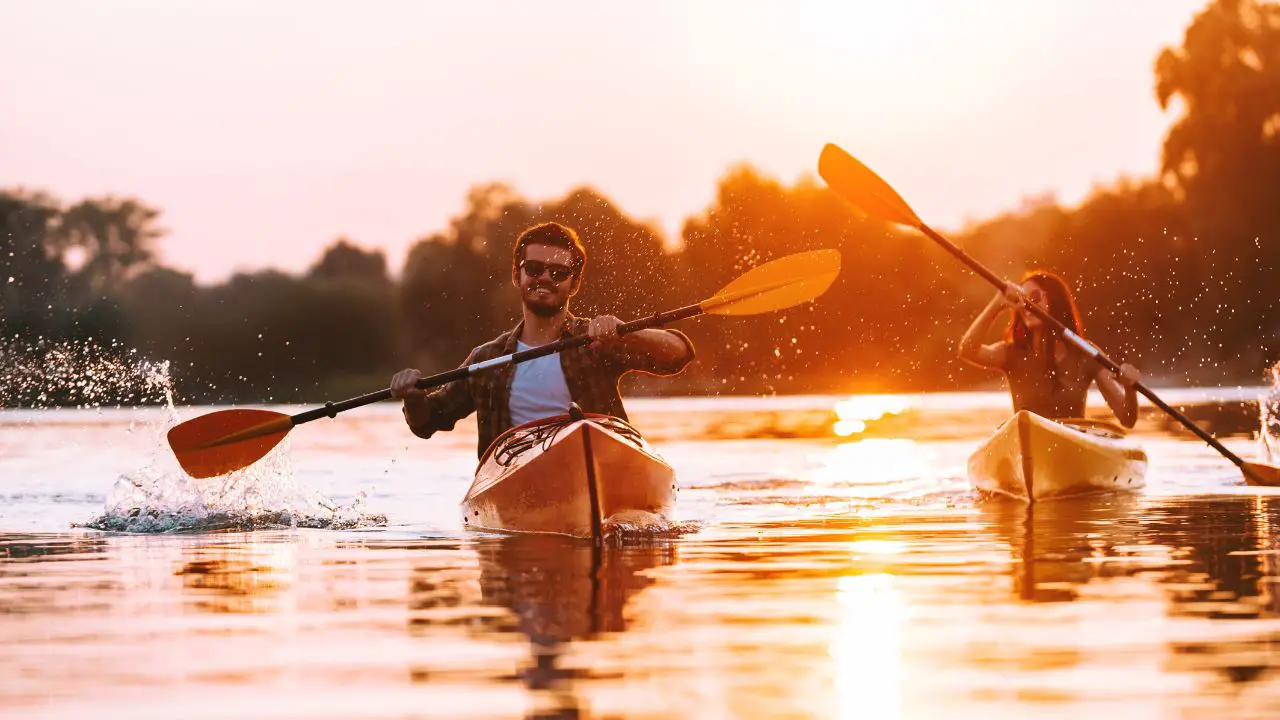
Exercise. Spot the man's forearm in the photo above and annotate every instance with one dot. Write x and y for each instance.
(417, 414)
(663, 346)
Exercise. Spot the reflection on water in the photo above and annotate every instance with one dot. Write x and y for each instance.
(875, 467)
(244, 578)
(853, 414)
(867, 646)
(561, 591)
(1209, 562)
(826, 576)
(1212, 556)
(1059, 546)
(998, 609)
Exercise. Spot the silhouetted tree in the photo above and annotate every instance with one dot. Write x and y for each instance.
(104, 240)
(32, 277)
(1223, 155)
(344, 261)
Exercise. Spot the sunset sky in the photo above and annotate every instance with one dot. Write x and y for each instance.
(264, 130)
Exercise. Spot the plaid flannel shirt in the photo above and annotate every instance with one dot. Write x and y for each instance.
(591, 375)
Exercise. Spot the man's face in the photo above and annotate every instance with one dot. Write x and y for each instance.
(540, 291)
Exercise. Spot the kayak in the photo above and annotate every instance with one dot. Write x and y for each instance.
(1032, 458)
(567, 475)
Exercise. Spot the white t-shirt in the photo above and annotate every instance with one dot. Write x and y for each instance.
(539, 389)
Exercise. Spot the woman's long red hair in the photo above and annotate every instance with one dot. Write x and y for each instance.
(1061, 305)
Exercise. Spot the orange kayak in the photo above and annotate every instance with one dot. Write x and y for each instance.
(568, 475)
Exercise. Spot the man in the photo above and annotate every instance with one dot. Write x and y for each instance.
(547, 266)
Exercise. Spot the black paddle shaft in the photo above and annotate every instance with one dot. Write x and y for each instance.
(333, 408)
(1084, 345)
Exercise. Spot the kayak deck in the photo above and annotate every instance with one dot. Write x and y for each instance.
(539, 478)
(1032, 458)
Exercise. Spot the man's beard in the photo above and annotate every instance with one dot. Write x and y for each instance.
(547, 308)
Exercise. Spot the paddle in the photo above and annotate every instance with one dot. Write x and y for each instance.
(861, 187)
(227, 440)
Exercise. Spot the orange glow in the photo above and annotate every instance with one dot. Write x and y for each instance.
(335, 119)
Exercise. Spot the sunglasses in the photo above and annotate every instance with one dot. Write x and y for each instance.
(535, 268)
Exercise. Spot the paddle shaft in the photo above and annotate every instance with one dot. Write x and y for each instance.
(1085, 346)
(333, 408)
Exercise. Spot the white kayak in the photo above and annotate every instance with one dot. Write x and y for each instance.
(569, 475)
(1032, 458)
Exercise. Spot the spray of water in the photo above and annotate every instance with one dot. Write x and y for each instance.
(632, 525)
(86, 374)
(160, 497)
(1269, 409)
(264, 495)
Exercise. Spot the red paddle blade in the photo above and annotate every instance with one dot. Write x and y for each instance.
(226, 440)
(1259, 474)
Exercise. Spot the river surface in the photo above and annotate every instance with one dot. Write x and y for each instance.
(833, 562)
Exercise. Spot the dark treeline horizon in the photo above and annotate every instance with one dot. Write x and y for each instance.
(1176, 272)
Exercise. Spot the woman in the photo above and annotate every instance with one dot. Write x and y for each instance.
(1046, 373)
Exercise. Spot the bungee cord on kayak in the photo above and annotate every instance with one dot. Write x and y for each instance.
(509, 449)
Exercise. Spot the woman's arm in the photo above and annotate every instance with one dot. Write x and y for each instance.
(1120, 392)
(971, 348)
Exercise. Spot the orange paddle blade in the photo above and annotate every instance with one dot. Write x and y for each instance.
(777, 284)
(864, 189)
(226, 440)
(1259, 474)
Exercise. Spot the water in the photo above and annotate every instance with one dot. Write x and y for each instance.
(836, 565)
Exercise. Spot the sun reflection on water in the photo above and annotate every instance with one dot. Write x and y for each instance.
(852, 415)
(866, 464)
(867, 647)
(876, 547)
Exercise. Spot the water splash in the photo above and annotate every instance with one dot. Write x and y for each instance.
(1269, 410)
(263, 496)
(86, 374)
(159, 497)
(632, 525)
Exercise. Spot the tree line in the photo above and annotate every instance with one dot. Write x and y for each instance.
(1176, 272)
